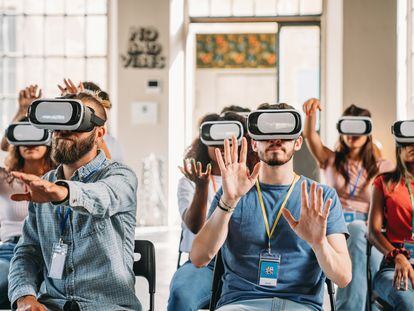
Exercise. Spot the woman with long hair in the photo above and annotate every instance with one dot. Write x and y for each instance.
(190, 286)
(28, 159)
(392, 209)
(350, 169)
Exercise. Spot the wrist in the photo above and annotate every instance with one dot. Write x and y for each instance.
(19, 300)
(319, 245)
(397, 254)
(63, 193)
(230, 201)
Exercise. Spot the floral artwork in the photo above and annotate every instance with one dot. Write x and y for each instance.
(253, 50)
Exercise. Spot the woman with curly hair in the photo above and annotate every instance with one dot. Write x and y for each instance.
(28, 159)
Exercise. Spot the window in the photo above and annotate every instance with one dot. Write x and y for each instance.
(227, 8)
(43, 41)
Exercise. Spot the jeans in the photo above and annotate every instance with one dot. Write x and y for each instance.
(190, 288)
(6, 254)
(269, 304)
(399, 300)
(353, 297)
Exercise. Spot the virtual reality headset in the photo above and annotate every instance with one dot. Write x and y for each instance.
(354, 126)
(274, 124)
(63, 114)
(403, 132)
(213, 133)
(25, 134)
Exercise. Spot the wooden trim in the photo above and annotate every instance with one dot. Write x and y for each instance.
(258, 19)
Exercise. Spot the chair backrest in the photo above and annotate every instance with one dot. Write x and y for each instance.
(145, 266)
(219, 271)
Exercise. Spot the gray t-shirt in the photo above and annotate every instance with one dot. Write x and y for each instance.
(185, 194)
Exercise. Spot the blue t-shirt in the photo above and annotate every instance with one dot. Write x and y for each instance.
(300, 277)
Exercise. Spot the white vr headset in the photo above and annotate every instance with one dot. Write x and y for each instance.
(25, 134)
(214, 133)
(354, 126)
(403, 132)
(63, 114)
(274, 124)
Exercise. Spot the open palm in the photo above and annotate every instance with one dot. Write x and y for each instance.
(236, 178)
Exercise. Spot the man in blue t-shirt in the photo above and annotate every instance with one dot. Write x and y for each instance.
(273, 262)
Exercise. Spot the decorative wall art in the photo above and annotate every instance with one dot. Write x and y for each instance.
(144, 51)
(253, 50)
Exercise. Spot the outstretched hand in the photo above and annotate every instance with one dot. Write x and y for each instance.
(38, 190)
(311, 226)
(194, 172)
(236, 178)
(70, 88)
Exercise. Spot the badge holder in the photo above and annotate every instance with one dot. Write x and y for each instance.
(59, 253)
(349, 216)
(269, 265)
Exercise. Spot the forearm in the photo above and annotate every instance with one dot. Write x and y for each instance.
(195, 216)
(314, 142)
(336, 266)
(380, 241)
(210, 238)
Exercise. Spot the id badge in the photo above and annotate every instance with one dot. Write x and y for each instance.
(349, 216)
(409, 246)
(269, 265)
(59, 253)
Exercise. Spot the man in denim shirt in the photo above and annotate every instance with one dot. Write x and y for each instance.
(97, 198)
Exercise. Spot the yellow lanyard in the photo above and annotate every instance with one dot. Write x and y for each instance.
(265, 219)
(214, 183)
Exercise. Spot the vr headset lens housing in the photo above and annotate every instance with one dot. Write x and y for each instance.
(23, 133)
(274, 124)
(63, 114)
(403, 132)
(354, 126)
(213, 133)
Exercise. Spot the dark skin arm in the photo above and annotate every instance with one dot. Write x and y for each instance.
(194, 216)
(403, 269)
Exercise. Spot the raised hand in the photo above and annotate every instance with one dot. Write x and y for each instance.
(311, 106)
(312, 224)
(29, 303)
(27, 96)
(69, 87)
(236, 178)
(39, 190)
(194, 172)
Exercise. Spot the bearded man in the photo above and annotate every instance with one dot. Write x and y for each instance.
(273, 262)
(77, 247)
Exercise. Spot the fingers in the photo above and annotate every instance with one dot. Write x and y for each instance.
(26, 178)
(397, 279)
(21, 197)
(208, 170)
(255, 173)
(193, 167)
(182, 170)
(327, 209)
(289, 218)
(313, 196)
(304, 196)
(62, 89)
(227, 152)
(411, 276)
(243, 151)
(199, 169)
(319, 200)
(234, 150)
(81, 87)
(405, 279)
(220, 160)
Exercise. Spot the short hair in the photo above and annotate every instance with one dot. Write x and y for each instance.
(234, 108)
(94, 89)
(93, 102)
(267, 106)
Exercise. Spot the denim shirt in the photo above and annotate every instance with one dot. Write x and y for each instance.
(100, 232)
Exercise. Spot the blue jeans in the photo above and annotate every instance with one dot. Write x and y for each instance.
(399, 300)
(190, 288)
(353, 297)
(6, 254)
(268, 304)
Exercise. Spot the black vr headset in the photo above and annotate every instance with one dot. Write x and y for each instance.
(403, 132)
(63, 114)
(25, 134)
(354, 126)
(274, 124)
(213, 133)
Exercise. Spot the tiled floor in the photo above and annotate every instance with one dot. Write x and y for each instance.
(166, 248)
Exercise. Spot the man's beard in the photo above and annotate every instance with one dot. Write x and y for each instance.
(71, 150)
(274, 159)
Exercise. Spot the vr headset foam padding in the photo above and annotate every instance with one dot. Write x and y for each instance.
(63, 114)
(25, 134)
(274, 124)
(213, 133)
(354, 126)
(403, 132)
